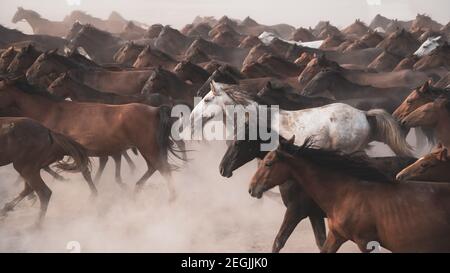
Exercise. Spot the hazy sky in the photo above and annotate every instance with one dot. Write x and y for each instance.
(180, 12)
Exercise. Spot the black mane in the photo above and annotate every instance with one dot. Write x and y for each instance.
(23, 85)
(356, 165)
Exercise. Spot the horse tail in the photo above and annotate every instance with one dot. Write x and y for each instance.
(386, 129)
(165, 140)
(80, 160)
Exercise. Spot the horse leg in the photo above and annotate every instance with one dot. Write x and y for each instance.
(129, 161)
(88, 177)
(12, 204)
(172, 193)
(101, 168)
(293, 215)
(118, 161)
(150, 171)
(333, 242)
(319, 229)
(44, 193)
(54, 174)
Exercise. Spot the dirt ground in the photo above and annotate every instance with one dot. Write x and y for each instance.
(211, 213)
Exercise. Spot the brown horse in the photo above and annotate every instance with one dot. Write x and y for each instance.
(432, 167)
(151, 57)
(360, 203)
(39, 24)
(29, 146)
(104, 130)
(128, 53)
(23, 60)
(188, 71)
(6, 58)
(434, 115)
(50, 65)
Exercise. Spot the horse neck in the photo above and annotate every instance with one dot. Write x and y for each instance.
(35, 22)
(326, 188)
(33, 106)
(77, 90)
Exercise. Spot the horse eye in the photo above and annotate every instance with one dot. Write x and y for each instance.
(409, 101)
(268, 164)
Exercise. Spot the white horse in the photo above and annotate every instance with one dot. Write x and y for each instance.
(335, 126)
(268, 37)
(428, 46)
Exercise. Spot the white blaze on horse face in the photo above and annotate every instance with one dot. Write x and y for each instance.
(428, 46)
(336, 126)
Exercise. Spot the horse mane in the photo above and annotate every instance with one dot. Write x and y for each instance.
(356, 165)
(33, 13)
(64, 60)
(89, 29)
(24, 86)
(238, 95)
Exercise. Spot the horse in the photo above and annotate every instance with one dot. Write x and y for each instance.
(50, 65)
(109, 134)
(432, 167)
(39, 24)
(340, 88)
(30, 146)
(406, 78)
(428, 46)
(98, 44)
(401, 43)
(188, 71)
(151, 57)
(361, 204)
(439, 58)
(298, 204)
(335, 126)
(128, 53)
(6, 58)
(23, 60)
(434, 115)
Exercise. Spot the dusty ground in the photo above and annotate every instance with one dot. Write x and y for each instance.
(211, 214)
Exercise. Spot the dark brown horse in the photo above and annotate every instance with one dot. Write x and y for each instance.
(432, 167)
(6, 58)
(128, 53)
(361, 204)
(114, 129)
(29, 146)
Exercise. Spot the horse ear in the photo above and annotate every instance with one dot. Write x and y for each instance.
(424, 87)
(291, 140)
(212, 84)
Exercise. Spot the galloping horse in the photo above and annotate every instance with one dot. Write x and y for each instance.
(29, 146)
(360, 203)
(104, 130)
(335, 127)
(432, 167)
(434, 115)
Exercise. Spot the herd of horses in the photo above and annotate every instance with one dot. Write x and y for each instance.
(86, 87)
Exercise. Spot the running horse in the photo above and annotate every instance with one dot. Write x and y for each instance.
(30, 147)
(104, 130)
(433, 167)
(361, 204)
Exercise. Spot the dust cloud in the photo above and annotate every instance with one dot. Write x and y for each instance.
(211, 213)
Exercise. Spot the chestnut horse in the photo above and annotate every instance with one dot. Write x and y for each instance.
(434, 167)
(299, 205)
(434, 115)
(360, 203)
(29, 146)
(104, 130)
